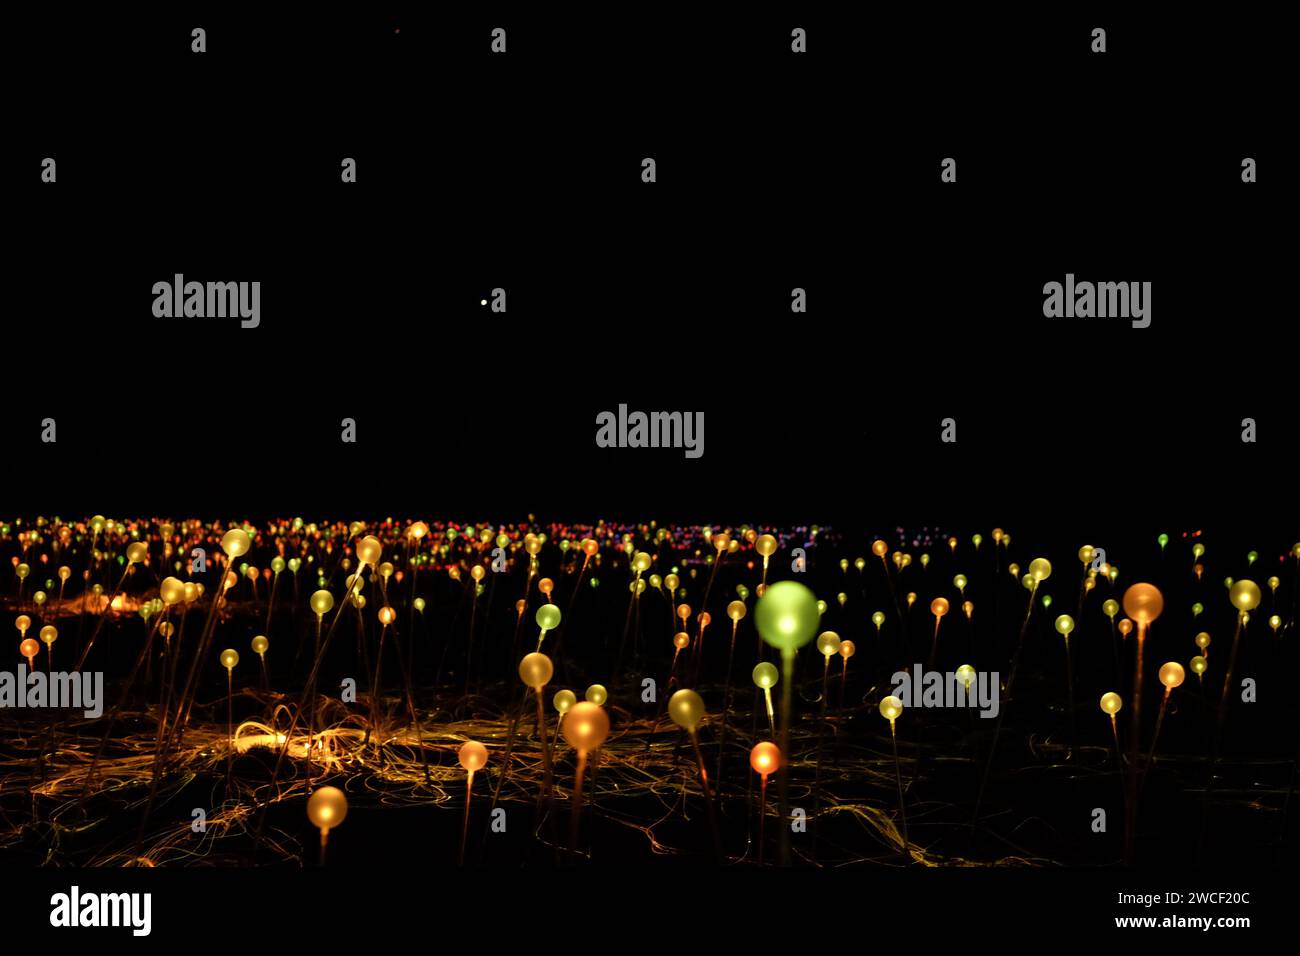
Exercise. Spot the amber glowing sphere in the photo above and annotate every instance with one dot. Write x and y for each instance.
(1203, 640)
(765, 758)
(235, 542)
(260, 644)
(229, 658)
(641, 561)
(1087, 553)
(1199, 664)
(419, 530)
(589, 547)
(890, 707)
(49, 634)
(765, 545)
(765, 675)
(681, 640)
(192, 592)
(535, 670)
(22, 622)
(722, 541)
(939, 607)
(1244, 595)
(879, 548)
(1110, 608)
(327, 808)
(787, 616)
(1125, 626)
(686, 708)
(563, 700)
(684, 611)
(29, 648)
(596, 694)
(1040, 569)
(586, 726)
(1064, 625)
(705, 619)
(1111, 703)
(828, 643)
(736, 610)
(473, 756)
(546, 585)
(172, 591)
(322, 602)
(968, 607)
(477, 572)
(1171, 674)
(1143, 603)
(387, 615)
(671, 582)
(369, 549)
(847, 649)
(136, 552)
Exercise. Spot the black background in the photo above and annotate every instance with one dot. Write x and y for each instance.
(774, 171)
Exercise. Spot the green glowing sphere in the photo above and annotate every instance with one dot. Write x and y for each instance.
(787, 616)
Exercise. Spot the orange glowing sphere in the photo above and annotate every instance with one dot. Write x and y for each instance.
(327, 808)
(765, 758)
(29, 648)
(586, 726)
(1111, 703)
(535, 670)
(879, 548)
(847, 649)
(419, 530)
(546, 585)
(260, 644)
(684, 611)
(939, 607)
(722, 541)
(473, 756)
(705, 619)
(1171, 674)
(1143, 603)
(22, 622)
(765, 545)
(477, 572)
(387, 615)
(589, 547)
(1125, 626)
(681, 640)
(49, 634)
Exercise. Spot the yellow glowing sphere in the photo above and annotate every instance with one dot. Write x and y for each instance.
(39, 598)
(1064, 625)
(1040, 569)
(172, 591)
(49, 634)
(1171, 674)
(387, 615)
(765, 675)
(968, 607)
(656, 582)
(879, 548)
(847, 649)
(136, 552)
(22, 622)
(1199, 664)
(546, 586)
(1125, 626)
(1086, 554)
(535, 670)
(235, 542)
(327, 808)
(1110, 608)
(1143, 603)
(477, 572)
(911, 598)
(22, 571)
(828, 642)
(65, 572)
(192, 592)
(878, 618)
(681, 640)
(671, 582)
(939, 607)
(736, 610)
(369, 549)
(229, 658)
(844, 565)
(1273, 582)
(586, 726)
(473, 756)
(841, 597)
(322, 602)
(641, 562)
(260, 644)
(765, 545)
(548, 617)
(966, 674)
(686, 708)
(1111, 703)
(419, 530)
(563, 700)
(1244, 595)
(684, 611)
(1198, 549)
(787, 616)
(890, 707)
(959, 582)
(765, 758)
(1203, 640)
(1275, 621)
(386, 570)
(596, 694)
(1014, 569)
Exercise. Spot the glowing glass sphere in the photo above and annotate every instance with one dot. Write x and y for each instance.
(419, 604)
(847, 649)
(1244, 595)
(1086, 554)
(939, 607)
(563, 700)
(765, 674)
(1040, 569)
(548, 617)
(596, 694)
(681, 640)
(959, 582)
(765, 758)
(546, 586)
(1110, 608)
(369, 549)
(879, 548)
(1199, 664)
(235, 542)
(671, 582)
(765, 545)
(586, 726)
(535, 670)
(787, 616)
(172, 591)
(1203, 640)
(878, 619)
(589, 547)
(65, 572)
(968, 607)
(828, 643)
(1143, 603)
(327, 808)
(1111, 703)
(1125, 626)
(136, 552)
(29, 648)
(1171, 674)
(260, 644)
(49, 634)
(966, 674)
(22, 622)
(686, 708)
(1064, 625)
(736, 610)
(229, 658)
(322, 602)
(890, 707)
(641, 562)
(473, 756)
